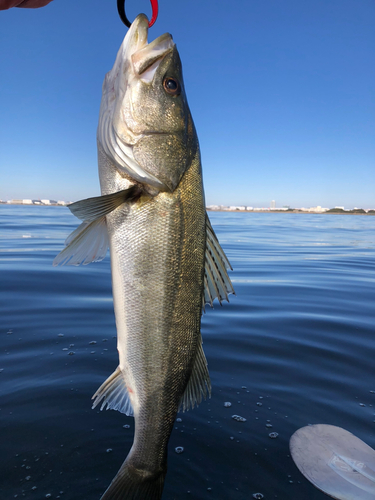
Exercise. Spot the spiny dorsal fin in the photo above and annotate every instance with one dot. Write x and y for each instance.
(114, 393)
(93, 208)
(212, 236)
(217, 283)
(199, 385)
(88, 243)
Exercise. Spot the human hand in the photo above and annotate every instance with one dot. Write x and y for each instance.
(30, 4)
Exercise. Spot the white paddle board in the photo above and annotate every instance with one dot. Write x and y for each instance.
(335, 461)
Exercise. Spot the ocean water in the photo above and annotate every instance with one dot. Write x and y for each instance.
(295, 346)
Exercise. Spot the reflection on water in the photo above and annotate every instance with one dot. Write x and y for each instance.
(295, 346)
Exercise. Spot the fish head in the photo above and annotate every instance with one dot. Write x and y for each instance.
(145, 125)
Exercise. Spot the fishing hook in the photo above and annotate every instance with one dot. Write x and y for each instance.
(125, 20)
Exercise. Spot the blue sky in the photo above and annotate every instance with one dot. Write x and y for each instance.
(281, 92)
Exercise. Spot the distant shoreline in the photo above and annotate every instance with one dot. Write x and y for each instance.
(289, 212)
(296, 211)
(33, 205)
(36, 204)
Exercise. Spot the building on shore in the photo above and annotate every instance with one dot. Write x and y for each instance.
(318, 209)
(62, 203)
(233, 208)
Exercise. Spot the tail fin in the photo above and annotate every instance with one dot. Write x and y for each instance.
(133, 484)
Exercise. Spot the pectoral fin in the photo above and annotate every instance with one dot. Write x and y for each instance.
(93, 208)
(89, 242)
(217, 283)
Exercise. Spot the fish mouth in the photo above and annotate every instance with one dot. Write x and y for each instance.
(136, 59)
(146, 57)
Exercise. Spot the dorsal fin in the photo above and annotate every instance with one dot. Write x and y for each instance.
(199, 385)
(217, 283)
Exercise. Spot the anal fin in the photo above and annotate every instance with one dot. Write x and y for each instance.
(114, 393)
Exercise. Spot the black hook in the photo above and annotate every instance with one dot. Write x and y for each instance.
(121, 11)
(125, 20)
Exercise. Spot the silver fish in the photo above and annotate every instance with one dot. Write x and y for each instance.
(166, 261)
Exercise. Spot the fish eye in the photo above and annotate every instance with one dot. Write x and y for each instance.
(171, 86)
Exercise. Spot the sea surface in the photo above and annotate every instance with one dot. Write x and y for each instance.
(295, 346)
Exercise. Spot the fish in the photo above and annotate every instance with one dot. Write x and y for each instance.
(166, 261)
